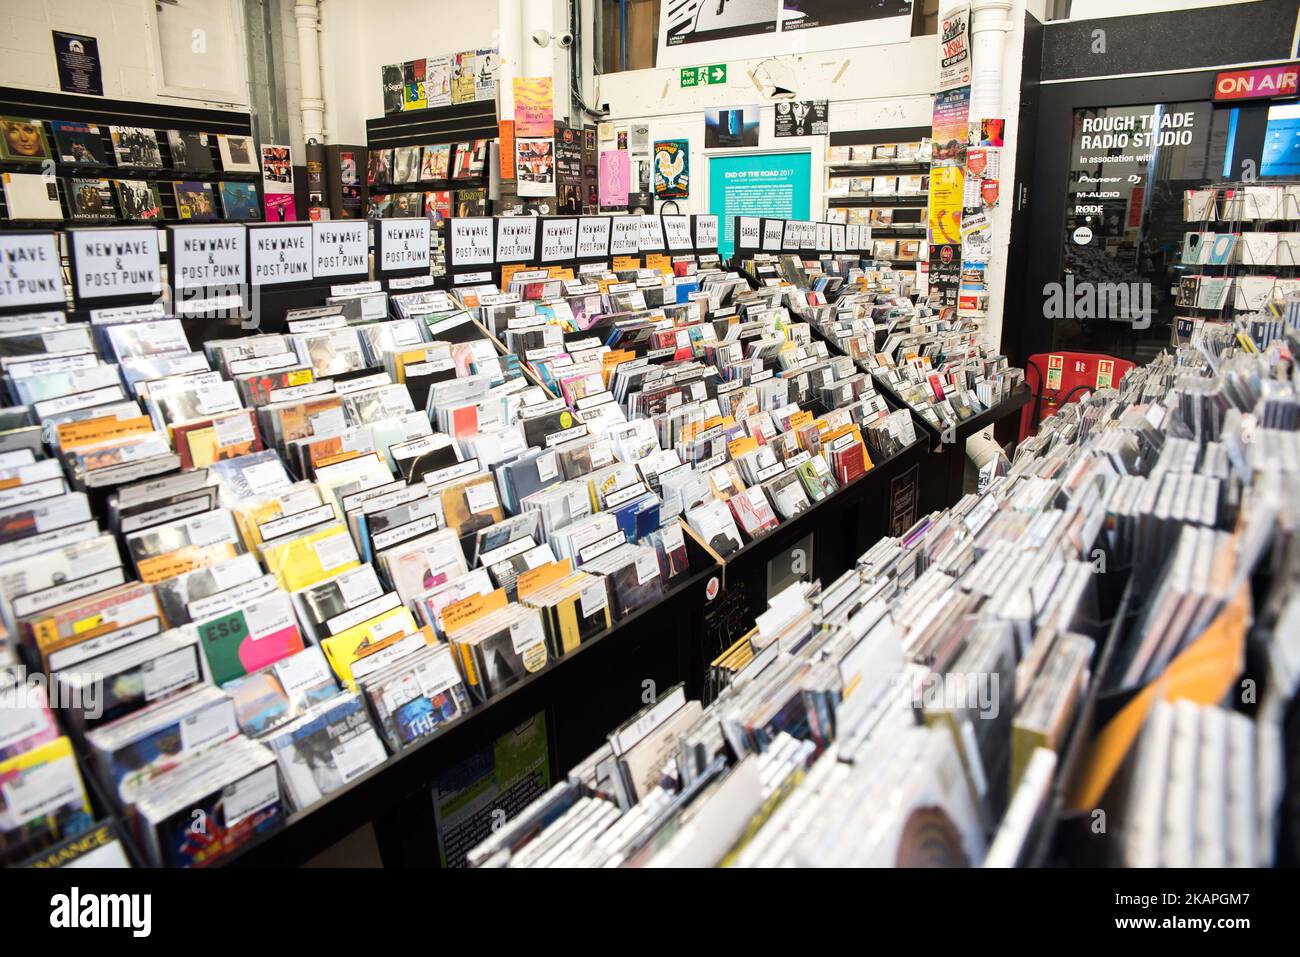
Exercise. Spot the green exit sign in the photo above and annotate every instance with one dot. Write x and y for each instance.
(710, 75)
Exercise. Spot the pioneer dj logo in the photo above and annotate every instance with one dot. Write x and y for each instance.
(76, 910)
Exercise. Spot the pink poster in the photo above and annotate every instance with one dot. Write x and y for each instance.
(615, 178)
(279, 207)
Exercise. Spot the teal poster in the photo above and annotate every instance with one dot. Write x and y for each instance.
(758, 184)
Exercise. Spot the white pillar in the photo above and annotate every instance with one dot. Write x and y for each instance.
(511, 38)
(537, 17)
(990, 24)
(307, 15)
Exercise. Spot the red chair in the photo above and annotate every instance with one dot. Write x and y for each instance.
(1060, 377)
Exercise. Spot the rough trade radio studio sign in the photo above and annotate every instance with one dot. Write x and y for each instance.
(1265, 83)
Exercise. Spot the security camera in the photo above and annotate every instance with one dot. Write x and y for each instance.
(542, 38)
(565, 40)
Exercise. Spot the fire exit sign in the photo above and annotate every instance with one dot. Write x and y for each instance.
(710, 75)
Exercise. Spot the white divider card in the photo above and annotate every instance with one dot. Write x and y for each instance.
(279, 254)
(340, 248)
(853, 238)
(823, 236)
(652, 234)
(207, 256)
(808, 235)
(792, 237)
(773, 233)
(625, 238)
(677, 231)
(403, 244)
(30, 271)
(559, 240)
(110, 263)
(749, 232)
(706, 232)
(516, 239)
(593, 237)
(471, 278)
(470, 241)
(837, 237)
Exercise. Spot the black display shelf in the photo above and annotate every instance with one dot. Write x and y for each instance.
(584, 695)
(881, 169)
(850, 201)
(836, 530)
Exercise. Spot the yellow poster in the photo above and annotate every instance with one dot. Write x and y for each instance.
(946, 186)
(534, 106)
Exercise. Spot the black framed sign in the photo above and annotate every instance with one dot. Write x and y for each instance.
(207, 256)
(625, 239)
(516, 239)
(279, 254)
(402, 245)
(114, 265)
(593, 237)
(677, 233)
(471, 241)
(559, 240)
(340, 249)
(705, 231)
(773, 235)
(31, 273)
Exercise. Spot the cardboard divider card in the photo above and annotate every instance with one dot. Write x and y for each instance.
(403, 245)
(706, 231)
(853, 238)
(837, 238)
(470, 241)
(559, 240)
(651, 234)
(279, 254)
(202, 257)
(748, 232)
(30, 271)
(593, 237)
(677, 231)
(340, 248)
(114, 263)
(773, 235)
(516, 239)
(625, 236)
(823, 234)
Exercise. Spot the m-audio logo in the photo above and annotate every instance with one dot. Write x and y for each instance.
(76, 910)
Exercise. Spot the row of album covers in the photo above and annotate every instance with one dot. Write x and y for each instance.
(242, 573)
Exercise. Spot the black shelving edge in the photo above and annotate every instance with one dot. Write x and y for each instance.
(662, 632)
(448, 124)
(899, 134)
(429, 186)
(840, 201)
(42, 105)
(877, 169)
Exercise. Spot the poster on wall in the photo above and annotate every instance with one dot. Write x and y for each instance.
(534, 106)
(695, 31)
(954, 48)
(946, 194)
(760, 184)
(731, 127)
(945, 274)
(77, 58)
(638, 138)
(485, 74)
(951, 113)
(437, 80)
(394, 87)
(414, 96)
(568, 169)
(277, 181)
(973, 291)
(983, 177)
(802, 118)
(615, 179)
(672, 169)
(535, 165)
(463, 80)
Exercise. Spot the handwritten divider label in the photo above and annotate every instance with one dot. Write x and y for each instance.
(30, 271)
(279, 254)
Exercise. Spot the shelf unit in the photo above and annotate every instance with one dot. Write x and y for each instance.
(49, 107)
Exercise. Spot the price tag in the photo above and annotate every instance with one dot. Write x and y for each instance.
(245, 798)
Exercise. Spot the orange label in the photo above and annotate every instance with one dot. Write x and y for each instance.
(799, 419)
(660, 263)
(73, 435)
(341, 457)
(560, 272)
(9, 483)
(624, 263)
(469, 610)
(162, 567)
(508, 273)
(541, 576)
(738, 447)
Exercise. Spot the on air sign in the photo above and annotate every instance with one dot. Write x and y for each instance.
(1268, 82)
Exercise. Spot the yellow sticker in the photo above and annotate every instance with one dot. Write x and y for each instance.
(94, 621)
(299, 377)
